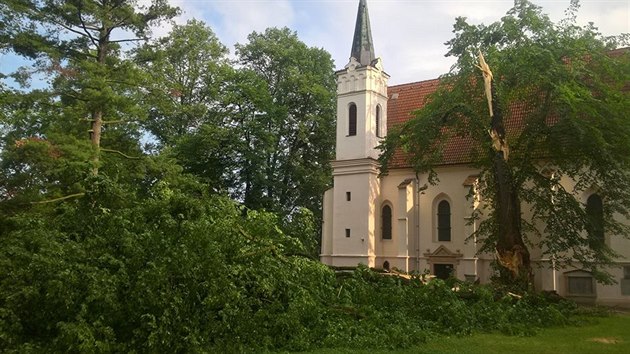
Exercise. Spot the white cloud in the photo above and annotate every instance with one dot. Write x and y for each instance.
(234, 20)
(476, 11)
(611, 17)
(408, 34)
(188, 8)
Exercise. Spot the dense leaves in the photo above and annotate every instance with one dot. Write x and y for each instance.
(563, 92)
(80, 45)
(185, 73)
(289, 138)
(105, 248)
(181, 271)
(168, 271)
(260, 130)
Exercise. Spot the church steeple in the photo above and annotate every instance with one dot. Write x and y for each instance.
(362, 47)
(350, 233)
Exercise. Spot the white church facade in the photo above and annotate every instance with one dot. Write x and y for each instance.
(399, 220)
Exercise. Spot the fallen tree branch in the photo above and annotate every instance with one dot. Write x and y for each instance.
(121, 153)
(59, 199)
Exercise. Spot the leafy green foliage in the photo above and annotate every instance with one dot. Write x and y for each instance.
(185, 272)
(159, 265)
(566, 90)
(80, 46)
(398, 313)
(185, 74)
(149, 255)
(290, 137)
(176, 272)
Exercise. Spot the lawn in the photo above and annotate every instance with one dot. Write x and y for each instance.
(599, 335)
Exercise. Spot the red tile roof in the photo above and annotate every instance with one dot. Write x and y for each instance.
(403, 101)
(406, 98)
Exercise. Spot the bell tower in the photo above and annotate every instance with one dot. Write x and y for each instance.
(361, 96)
(350, 207)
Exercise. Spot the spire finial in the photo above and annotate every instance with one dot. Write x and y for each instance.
(362, 47)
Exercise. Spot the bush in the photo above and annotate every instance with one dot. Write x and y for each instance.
(170, 269)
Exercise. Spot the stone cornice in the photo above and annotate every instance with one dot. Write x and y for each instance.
(352, 93)
(355, 166)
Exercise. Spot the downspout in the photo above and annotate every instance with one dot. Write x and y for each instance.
(476, 249)
(553, 273)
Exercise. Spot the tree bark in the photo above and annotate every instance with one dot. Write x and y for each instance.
(95, 138)
(97, 112)
(512, 252)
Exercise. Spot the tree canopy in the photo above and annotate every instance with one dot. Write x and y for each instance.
(562, 90)
(108, 247)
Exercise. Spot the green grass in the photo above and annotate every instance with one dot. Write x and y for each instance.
(597, 335)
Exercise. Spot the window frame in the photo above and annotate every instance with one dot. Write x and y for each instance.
(594, 210)
(448, 228)
(580, 274)
(378, 114)
(352, 119)
(390, 221)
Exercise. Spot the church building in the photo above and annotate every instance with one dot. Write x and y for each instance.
(399, 220)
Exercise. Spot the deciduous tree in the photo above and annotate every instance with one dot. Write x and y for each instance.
(289, 135)
(561, 95)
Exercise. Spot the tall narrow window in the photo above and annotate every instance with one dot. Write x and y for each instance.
(378, 121)
(352, 119)
(444, 221)
(595, 219)
(386, 222)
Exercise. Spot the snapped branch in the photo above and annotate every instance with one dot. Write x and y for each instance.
(121, 154)
(76, 195)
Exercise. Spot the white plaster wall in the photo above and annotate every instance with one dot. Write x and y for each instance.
(406, 215)
(358, 214)
(366, 87)
(611, 294)
(327, 227)
(403, 221)
(450, 187)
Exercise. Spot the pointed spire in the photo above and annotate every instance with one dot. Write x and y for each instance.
(362, 47)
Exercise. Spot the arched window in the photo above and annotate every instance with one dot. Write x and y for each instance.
(386, 222)
(352, 119)
(378, 121)
(444, 221)
(595, 218)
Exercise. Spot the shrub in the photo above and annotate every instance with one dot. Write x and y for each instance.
(172, 270)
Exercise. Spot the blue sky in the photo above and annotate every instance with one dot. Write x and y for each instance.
(408, 35)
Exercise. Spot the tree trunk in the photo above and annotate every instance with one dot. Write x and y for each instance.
(512, 254)
(95, 138)
(97, 113)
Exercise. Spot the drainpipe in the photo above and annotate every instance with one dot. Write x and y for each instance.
(553, 273)
(476, 249)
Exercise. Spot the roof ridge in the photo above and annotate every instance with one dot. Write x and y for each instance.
(414, 83)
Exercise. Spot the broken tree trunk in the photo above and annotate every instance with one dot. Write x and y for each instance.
(511, 252)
